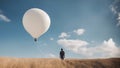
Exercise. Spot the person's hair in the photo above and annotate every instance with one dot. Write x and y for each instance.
(61, 49)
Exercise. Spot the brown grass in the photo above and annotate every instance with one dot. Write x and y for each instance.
(57, 63)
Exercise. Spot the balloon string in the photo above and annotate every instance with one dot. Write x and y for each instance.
(39, 48)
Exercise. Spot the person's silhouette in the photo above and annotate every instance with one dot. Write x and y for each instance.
(62, 54)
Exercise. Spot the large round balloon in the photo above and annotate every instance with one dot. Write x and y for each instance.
(36, 22)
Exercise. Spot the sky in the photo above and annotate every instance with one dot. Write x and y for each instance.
(83, 28)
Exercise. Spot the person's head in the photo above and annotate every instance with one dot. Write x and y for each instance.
(61, 49)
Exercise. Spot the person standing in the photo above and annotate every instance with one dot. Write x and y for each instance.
(62, 54)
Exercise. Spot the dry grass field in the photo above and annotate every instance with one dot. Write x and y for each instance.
(57, 63)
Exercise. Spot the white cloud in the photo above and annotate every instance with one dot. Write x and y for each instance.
(4, 18)
(118, 19)
(109, 49)
(79, 31)
(106, 49)
(115, 9)
(64, 35)
(51, 39)
(71, 44)
(51, 55)
(118, 16)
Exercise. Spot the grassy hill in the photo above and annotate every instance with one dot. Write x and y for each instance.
(57, 63)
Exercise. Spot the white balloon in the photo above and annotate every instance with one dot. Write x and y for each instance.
(36, 22)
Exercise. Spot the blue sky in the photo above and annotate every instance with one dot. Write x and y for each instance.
(83, 28)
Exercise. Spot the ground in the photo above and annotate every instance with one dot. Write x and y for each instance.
(57, 63)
